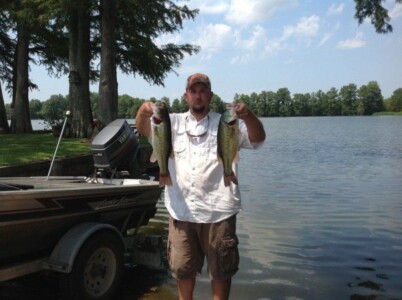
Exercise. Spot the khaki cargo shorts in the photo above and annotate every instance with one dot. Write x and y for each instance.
(189, 243)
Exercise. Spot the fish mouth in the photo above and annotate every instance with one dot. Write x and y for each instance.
(156, 120)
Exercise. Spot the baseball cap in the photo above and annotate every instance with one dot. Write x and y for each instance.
(196, 78)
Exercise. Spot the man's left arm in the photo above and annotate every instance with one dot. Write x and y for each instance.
(256, 132)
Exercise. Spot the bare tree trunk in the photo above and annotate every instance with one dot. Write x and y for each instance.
(4, 128)
(107, 103)
(21, 123)
(79, 60)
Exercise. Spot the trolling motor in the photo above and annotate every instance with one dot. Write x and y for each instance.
(115, 150)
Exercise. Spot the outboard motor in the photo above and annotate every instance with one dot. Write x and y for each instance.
(115, 150)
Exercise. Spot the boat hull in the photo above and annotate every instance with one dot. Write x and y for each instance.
(32, 220)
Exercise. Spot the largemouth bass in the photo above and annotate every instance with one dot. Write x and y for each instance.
(161, 136)
(228, 144)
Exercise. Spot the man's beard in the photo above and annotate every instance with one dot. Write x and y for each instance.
(199, 110)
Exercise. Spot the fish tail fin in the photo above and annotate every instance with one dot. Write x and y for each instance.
(230, 178)
(165, 180)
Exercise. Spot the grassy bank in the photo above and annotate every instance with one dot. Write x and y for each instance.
(25, 148)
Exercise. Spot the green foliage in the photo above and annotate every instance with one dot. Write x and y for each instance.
(53, 110)
(175, 106)
(374, 10)
(348, 99)
(370, 99)
(394, 103)
(139, 24)
(34, 108)
(217, 105)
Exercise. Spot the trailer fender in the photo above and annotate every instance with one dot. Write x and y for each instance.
(64, 254)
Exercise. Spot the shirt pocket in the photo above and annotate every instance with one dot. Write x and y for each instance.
(180, 144)
(210, 146)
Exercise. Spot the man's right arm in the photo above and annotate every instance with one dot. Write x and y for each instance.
(143, 118)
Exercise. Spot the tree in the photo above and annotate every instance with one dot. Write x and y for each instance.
(333, 103)
(4, 128)
(79, 65)
(217, 105)
(370, 99)
(301, 104)
(53, 110)
(125, 103)
(374, 10)
(395, 101)
(348, 98)
(130, 44)
(34, 108)
(20, 120)
(107, 104)
(284, 102)
(37, 41)
(6, 59)
(318, 103)
(175, 106)
(268, 97)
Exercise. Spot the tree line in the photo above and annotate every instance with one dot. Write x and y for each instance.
(348, 101)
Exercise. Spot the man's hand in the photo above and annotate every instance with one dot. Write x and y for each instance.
(143, 119)
(241, 110)
(256, 132)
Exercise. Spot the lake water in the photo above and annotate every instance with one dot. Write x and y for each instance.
(322, 211)
(322, 215)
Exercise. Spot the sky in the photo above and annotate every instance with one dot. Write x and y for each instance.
(263, 45)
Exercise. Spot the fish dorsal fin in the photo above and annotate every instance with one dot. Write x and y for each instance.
(153, 157)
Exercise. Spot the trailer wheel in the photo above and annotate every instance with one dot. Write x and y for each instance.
(97, 269)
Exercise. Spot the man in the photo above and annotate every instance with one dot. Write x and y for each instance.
(202, 210)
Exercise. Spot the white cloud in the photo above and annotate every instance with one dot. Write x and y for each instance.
(335, 9)
(328, 35)
(255, 11)
(273, 47)
(256, 38)
(396, 11)
(214, 7)
(250, 47)
(306, 27)
(168, 38)
(356, 42)
(241, 59)
(213, 38)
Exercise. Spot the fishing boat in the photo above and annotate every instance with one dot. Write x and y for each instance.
(78, 225)
(35, 212)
